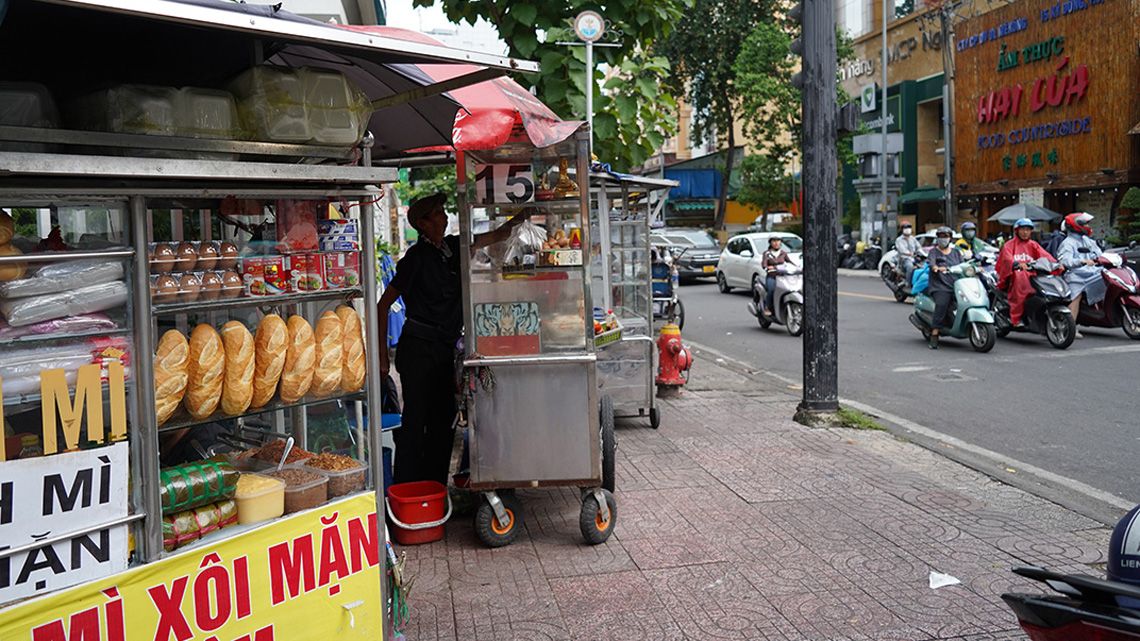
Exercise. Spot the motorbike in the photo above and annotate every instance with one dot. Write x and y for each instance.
(866, 255)
(788, 300)
(1085, 608)
(1046, 310)
(1121, 304)
(894, 277)
(972, 317)
(844, 249)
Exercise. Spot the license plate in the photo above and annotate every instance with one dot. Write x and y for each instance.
(709, 268)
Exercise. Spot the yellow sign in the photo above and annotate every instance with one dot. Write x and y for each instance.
(314, 576)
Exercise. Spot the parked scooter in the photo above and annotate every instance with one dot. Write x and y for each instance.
(1046, 311)
(894, 277)
(788, 300)
(1121, 304)
(972, 316)
(1086, 608)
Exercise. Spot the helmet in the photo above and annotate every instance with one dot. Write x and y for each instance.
(1078, 222)
(944, 231)
(1023, 222)
(1124, 549)
(969, 230)
(905, 226)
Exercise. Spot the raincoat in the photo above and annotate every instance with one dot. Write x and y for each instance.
(1016, 283)
(1081, 277)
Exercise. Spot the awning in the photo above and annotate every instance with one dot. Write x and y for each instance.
(923, 195)
(693, 205)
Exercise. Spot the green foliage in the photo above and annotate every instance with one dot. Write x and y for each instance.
(852, 217)
(1131, 199)
(632, 114)
(425, 181)
(1128, 217)
(764, 183)
(854, 419)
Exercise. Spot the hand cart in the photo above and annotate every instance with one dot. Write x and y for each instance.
(529, 366)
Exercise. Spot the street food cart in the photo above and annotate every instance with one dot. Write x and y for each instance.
(188, 326)
(620, 216)
(530, 384)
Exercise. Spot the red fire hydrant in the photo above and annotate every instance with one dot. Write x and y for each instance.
(673, 360)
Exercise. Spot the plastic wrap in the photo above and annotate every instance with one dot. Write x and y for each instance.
(27, 105)
(95, 298)
(20, 368)
(192, 485)
(63, 277)
(524, 244)
(191, 525)
(271, 105)
(81, 324)
(127, 109)
(206, 113)
(338, 110)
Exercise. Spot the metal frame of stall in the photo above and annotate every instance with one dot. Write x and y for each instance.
(627, 367)
(530, 388)
(132, 182)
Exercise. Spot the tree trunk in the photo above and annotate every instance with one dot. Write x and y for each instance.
(722, 204)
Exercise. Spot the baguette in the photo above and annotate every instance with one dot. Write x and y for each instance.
(269, 358)
(352, 368)
(330, 359)
(237, 389)
(205, 372)
(300, 360)
(170, 374)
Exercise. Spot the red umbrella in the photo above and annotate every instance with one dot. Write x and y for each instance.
(491, 109)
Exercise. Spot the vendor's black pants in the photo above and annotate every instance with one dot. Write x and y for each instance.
(423, 441)
(942, 302)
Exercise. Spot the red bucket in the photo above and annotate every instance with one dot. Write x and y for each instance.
(418, 511)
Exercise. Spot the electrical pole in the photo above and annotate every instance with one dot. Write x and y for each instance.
(946, 15)
(883, 132)
(820, 177)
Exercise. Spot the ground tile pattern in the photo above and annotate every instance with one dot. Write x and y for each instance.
(735, 523)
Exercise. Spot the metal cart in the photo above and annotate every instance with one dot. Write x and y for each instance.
(620, 217)
(530, 385)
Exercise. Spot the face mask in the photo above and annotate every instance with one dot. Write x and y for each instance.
(969, 234)
(906, 232)
(944, 242)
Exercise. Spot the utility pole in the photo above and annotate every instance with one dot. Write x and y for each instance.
(883, 239)
(946, 28)
(820, 177)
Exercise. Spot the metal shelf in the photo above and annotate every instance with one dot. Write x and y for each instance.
(182, 420)
(565, 203)
(52, 257)
(256, 301)
(44, 338)
(526, 271)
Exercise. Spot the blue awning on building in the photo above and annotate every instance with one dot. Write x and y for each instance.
(694, 183)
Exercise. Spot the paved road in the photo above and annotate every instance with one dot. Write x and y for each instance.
(1075, 412)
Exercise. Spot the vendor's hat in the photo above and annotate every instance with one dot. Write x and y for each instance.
(425, 206)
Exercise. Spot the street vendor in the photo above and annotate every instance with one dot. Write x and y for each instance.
(428, 279)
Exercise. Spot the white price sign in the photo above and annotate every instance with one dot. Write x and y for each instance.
(504, 184)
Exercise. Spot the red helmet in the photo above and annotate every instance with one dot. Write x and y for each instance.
(1078, 222)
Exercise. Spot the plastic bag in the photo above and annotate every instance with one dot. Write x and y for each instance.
(63, 277)
(525, 242)
(191, 525)
(920, 279)
(192, 485)
(80, 324)
(36, 309)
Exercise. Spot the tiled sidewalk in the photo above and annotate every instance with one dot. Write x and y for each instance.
(737, 523)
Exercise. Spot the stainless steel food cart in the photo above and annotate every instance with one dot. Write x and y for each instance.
(622, 210)
(530, 384)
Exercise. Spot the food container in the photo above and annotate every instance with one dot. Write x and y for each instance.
(206, 113)
(228, 255)
(126, 109)
(211, 286)
(338, 110)
(347, 227)
(232, 285)
(164, 289)
(161, 257)
(271, 453)
(342, 269)
(208, 253)
(189, 287)
(304, 489)
(241, 460)
(307, 272)
(345, 474)
(27, 105)
(264, 276)
(185, 256)
(259, 498)
(339, 244)
(271, 105)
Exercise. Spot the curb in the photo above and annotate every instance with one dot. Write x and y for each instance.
(1104, 507)
(858, 273)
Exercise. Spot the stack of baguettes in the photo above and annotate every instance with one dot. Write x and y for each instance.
(236, 370)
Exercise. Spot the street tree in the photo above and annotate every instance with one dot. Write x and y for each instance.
(632, 115)
(764, 183)
(702, 50)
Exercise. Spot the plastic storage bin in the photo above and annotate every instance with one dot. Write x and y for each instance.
(304, 488)
(342, 482)
(27, 105)
(259, 498)
(271, 105)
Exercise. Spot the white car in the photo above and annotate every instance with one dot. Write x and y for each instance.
(927, 241)
(739, 264)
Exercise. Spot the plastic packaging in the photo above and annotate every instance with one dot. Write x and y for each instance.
(83, 323)
(338, 110)
(346, 475)
(304, 489)
(206, 113)
(191, 485)
(62, 277)
(27, 105)
(127, 109)
(271, 105)
(191, 525)
(20, 368)
(525, 242)
(35, 309)
(297, 225)
(259, 498)
(265, 276)
(187, 287)
(342, 269)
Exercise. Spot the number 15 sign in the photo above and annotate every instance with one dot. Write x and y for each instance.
(504, 184)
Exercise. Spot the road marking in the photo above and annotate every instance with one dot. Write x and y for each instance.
(911, 368)
(889, 299)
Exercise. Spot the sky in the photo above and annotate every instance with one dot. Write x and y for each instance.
(480, 37)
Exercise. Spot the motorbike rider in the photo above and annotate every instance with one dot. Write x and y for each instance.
(969, 240)
(1081, 271)
(1014, 265)
(906, 247)
(941, 287)
(771, 260)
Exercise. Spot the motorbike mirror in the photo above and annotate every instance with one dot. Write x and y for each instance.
(1132, 245)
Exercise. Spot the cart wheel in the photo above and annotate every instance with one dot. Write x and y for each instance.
(679, 312)
(609, 443)
(594, 529)
(654, 417)
(490, 531)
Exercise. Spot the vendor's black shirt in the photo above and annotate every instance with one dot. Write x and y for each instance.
(428, 280)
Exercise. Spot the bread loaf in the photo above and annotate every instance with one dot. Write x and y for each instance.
(7, 228)
(205, 372)
(170, 375)
(330, 359)
(269, 345)
(300, 360)
(237, 389)
(12, 271)
(352, 366)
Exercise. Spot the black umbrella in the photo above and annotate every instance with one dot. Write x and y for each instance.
(1013, 213)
